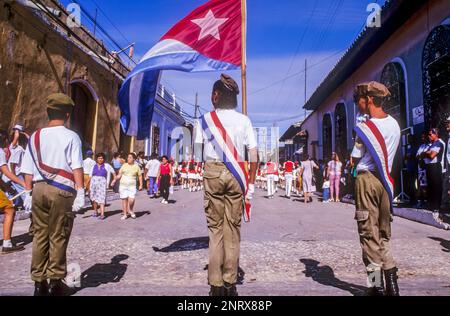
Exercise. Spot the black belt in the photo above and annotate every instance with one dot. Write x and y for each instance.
(40, 181)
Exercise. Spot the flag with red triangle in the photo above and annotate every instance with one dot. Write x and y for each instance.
(207, 39)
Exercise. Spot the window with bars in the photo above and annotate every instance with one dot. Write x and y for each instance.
(436, 77)
(393, 77)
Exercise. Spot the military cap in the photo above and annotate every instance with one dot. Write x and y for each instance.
(372, 89)
(60, 102)
(229, 83)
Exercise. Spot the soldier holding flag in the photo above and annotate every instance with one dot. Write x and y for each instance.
(225, 134)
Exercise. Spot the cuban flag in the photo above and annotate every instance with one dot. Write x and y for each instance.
(208, 39)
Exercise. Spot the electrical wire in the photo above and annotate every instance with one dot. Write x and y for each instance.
(100, 27)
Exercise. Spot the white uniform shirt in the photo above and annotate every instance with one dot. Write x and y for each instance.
(239, 128)
(60, 148)
(88, 164)
(153, 168)
(16, 157)
(390, 130)
(2, 163)
(448, 153)
(2, 158)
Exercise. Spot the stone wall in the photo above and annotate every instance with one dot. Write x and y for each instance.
(28, 75)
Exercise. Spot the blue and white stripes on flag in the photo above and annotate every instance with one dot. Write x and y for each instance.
(138, 92)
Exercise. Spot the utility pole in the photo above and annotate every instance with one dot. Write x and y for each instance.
(306, 78)
(196, 106)
(95, 21)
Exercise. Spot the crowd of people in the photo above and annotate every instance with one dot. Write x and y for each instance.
(433, 174)
(45, 174)
(305, 177)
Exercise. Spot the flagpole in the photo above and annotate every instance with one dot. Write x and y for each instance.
(244, 56)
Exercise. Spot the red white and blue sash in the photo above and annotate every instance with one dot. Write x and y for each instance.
(59, 178)
(225, 148)
(374, 141)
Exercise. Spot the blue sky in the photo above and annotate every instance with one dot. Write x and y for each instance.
(281, 35)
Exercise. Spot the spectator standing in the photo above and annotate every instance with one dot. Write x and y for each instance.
(334, 173)
(151, 171)
(88, 164)
(6, 206)
(433, 160)
(129, 175)
(165, 179)
(100, 176)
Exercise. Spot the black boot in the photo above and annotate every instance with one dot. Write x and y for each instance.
(391, 282)
(41, 288)
(57, 288)
(216, 291)
(230, 290)
(376, 289)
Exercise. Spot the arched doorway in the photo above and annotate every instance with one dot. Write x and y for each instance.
(393, 77)
(327, 136)
(84, 115)
(340, 117)
(436, 78)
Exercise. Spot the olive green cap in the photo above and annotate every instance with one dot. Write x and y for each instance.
(372, 89)
(60, 102)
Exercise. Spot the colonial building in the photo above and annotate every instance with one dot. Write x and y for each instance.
(169, 127)
(43, 52)
(295, 142)
(410, 54)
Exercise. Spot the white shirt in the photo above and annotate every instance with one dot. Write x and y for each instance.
(448, 152)
(153, 168)
(423, 148)
(335, 167)
(16, 157)
(391, 132)
(88, 165)
(239, 128)
(2, 158)
(60, 148)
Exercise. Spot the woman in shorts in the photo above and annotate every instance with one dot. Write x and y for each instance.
(128, 175)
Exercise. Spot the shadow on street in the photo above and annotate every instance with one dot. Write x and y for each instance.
(189, 244)
(325, 276)
(103, 273)
(444, 243)
(113, 213)
(22, 240)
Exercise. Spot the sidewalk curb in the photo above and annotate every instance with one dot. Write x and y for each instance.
(417, 215)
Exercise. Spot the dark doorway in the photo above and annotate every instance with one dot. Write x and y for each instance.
(341, 131)
(83, 116)
(327, 137)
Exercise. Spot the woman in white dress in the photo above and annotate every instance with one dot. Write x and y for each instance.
(307, 172)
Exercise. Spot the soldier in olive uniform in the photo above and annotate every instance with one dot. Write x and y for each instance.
(225, 182)
(53, 168)
(377, 142)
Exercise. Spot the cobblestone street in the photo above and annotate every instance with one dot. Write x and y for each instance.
(288, 249)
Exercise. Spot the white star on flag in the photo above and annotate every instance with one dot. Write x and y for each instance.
(209, 25)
